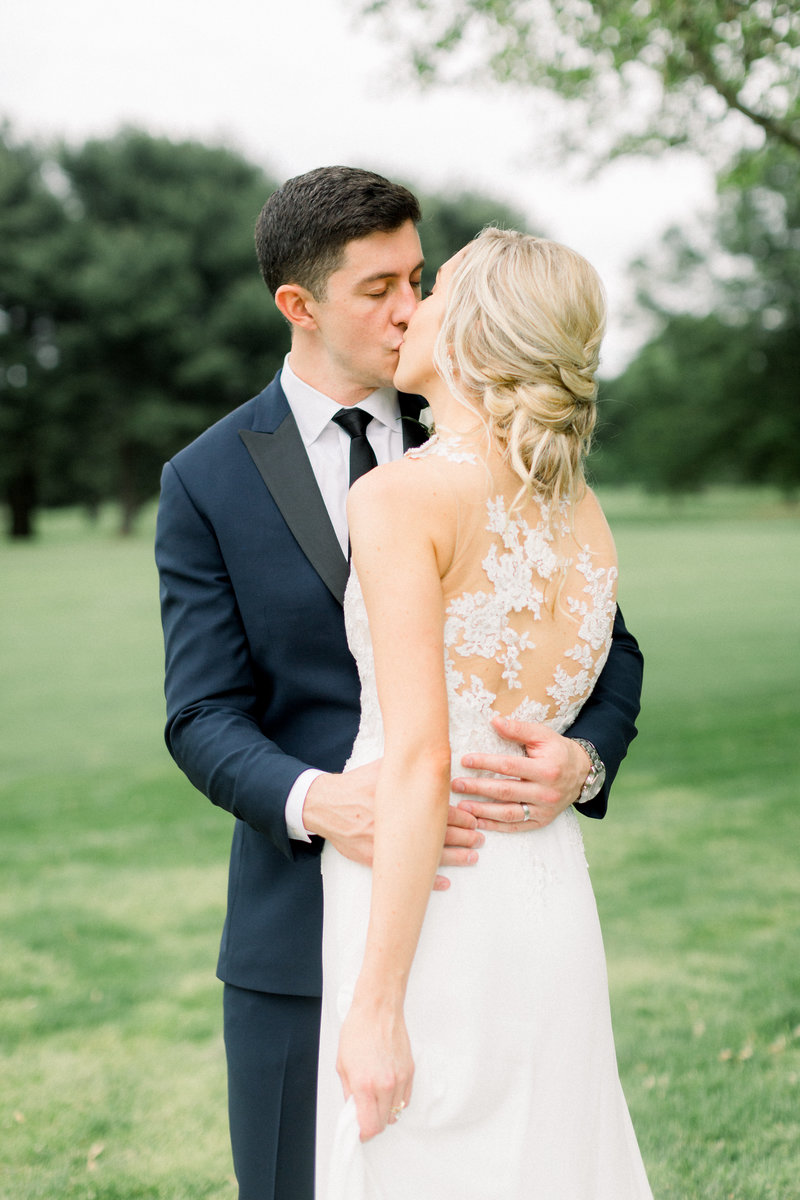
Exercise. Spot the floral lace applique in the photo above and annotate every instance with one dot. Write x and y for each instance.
(449, 447)
(476, 697)
(517, 567)
(600, 590)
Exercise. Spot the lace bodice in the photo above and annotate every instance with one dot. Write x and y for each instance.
(529, 609)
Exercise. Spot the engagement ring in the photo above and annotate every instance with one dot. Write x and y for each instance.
(526, 813)
(397, 1110)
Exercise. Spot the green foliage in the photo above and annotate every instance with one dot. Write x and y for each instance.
(699, 59)
(704, 402)
(32, 226)
(132, 314)
(168, 247)
(114, 868)
(758, 222)
(715, 397)
(449, 222)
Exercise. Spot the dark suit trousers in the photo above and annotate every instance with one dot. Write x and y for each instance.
(272, 1042)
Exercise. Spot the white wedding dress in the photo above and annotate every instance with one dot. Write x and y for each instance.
(516, 1094)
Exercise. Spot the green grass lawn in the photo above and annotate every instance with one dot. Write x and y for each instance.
(114, 870)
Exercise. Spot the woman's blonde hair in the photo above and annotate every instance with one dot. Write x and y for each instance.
(520, 342)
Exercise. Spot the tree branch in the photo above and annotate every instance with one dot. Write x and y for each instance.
(779, 130)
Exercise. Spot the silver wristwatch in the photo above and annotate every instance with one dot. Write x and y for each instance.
(597, 773)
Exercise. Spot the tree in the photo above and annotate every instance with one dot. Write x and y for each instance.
(703, 404)
(692, 409)
(714, 396)
(449, 222)
(32, 226)
(131, 313)
(171, 328)
(649, 73)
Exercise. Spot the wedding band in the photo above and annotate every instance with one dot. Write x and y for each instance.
(397, 1110)
(526, 813)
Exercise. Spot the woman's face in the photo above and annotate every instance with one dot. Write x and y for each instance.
(415, 370)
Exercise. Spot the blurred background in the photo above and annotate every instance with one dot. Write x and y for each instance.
(137, 145)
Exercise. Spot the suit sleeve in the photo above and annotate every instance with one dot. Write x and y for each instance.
(608, 719)
(212, 729)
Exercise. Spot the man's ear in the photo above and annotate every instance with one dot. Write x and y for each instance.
(295, 303)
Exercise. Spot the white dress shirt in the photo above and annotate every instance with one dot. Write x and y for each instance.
(328, 449)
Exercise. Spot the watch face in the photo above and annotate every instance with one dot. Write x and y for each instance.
(594, 785)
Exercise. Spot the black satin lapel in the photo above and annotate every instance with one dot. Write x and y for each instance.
(283, 464)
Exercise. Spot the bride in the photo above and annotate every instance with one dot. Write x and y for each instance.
(470, 1028)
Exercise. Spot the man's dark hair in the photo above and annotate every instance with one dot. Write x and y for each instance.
(302, 230)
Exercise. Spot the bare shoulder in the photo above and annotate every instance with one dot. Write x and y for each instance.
(410, 487)
(405, 508)
(592, 528)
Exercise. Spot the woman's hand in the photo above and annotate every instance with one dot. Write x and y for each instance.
(375, 1064)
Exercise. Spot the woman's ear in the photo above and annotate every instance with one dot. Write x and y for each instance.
(295, 303)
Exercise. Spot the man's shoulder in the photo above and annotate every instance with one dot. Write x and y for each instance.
(223, 436)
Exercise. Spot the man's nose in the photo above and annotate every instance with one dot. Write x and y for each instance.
(406, 303)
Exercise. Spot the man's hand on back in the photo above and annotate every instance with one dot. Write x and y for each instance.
(340, 808)
(525, 793)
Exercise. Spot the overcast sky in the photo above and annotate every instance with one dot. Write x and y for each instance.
(307, 83)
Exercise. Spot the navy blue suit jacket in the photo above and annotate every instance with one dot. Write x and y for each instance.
(260, 684)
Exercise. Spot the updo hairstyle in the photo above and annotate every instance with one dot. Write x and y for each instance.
(520, 342)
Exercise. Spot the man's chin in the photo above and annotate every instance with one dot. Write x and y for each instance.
(381, 376)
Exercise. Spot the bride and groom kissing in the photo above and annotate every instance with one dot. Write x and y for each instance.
(493, 669)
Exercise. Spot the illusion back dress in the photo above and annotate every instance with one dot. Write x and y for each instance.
(516, 1094)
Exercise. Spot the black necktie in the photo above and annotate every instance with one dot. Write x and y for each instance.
(354, 422)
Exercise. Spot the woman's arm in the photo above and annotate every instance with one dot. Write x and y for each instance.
(399, 541)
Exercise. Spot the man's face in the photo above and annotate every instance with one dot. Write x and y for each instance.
(368, 303)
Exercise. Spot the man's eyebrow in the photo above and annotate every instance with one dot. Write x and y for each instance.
(390, 274)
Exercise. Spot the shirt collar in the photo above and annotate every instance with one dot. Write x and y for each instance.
(313, 410)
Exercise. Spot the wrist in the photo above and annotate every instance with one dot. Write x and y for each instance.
(316, 805)
(374, 996)
(295, 803)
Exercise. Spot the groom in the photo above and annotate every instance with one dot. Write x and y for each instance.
(262, 693)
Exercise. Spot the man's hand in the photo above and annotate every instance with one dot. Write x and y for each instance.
(340, 808)
(531, 791)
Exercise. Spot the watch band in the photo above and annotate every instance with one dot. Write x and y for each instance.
(597, 773)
